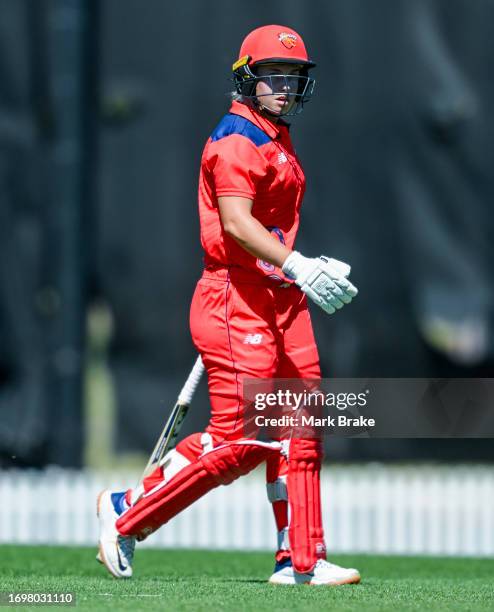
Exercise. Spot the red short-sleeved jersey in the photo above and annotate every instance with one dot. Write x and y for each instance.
(249, 156)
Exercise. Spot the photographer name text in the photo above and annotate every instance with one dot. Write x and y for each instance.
(312, 421)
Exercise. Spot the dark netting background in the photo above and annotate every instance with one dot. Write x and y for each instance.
(104, 110)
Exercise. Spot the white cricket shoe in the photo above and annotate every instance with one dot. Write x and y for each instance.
(115, 551)
(324, 573)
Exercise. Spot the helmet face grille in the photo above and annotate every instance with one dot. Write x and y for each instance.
(298, 89)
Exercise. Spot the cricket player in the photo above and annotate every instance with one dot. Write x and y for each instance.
(249, 319)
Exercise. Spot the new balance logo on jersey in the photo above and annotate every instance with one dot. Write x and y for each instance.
(282, 158)
(253, 339)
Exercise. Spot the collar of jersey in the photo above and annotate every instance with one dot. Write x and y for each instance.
(267, 126)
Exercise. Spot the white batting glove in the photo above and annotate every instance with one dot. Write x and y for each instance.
(322, 279)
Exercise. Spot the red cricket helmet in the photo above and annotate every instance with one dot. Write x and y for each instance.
(274, 43)
(269, 45)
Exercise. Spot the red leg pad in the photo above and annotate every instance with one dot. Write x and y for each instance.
(304, 494)
(219, 466)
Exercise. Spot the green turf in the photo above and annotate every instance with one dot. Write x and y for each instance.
(192, 580)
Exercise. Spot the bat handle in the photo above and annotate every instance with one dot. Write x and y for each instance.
(188, 390)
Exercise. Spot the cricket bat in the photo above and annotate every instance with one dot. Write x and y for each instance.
(168, 437)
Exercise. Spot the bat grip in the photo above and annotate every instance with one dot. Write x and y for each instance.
(188, 390)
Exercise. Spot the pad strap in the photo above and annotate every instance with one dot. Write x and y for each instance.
(277, 490)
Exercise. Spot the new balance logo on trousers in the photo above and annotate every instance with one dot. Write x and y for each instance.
(253, 339)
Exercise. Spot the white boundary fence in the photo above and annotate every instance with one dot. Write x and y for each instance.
(367, 508)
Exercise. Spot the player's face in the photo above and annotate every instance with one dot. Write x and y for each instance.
(276, 92)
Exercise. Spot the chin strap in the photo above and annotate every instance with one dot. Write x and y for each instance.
(257, 105)
(265, 109)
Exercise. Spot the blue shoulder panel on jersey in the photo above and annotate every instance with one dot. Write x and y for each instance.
(235, 124)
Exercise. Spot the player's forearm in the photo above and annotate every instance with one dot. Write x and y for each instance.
(252, 236)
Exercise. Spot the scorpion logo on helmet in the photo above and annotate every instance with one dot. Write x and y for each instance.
(288, 40)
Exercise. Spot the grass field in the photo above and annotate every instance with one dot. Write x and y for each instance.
(194, 580)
